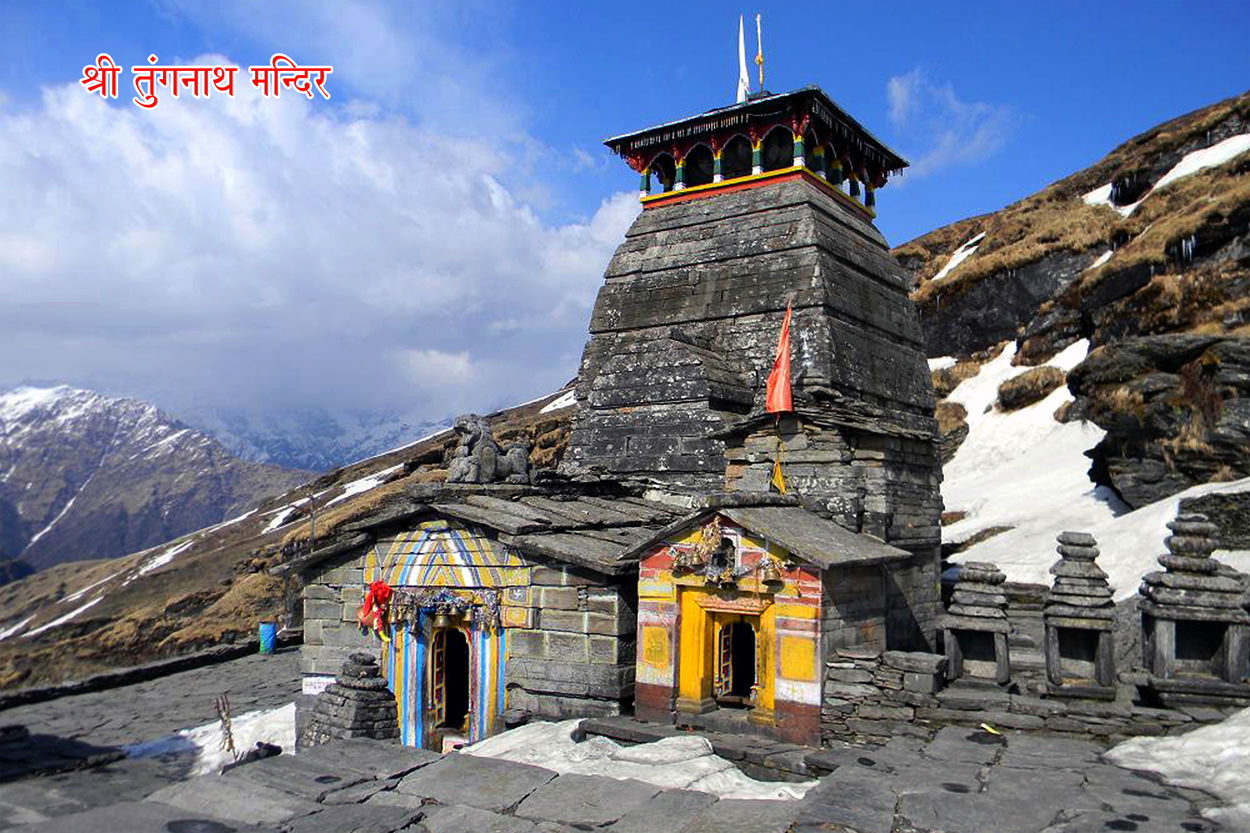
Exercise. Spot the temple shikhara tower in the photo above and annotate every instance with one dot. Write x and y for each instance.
(748, 209)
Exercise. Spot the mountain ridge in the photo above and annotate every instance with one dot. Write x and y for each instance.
(86, 476)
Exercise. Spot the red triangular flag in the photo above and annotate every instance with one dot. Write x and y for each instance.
(777, 395)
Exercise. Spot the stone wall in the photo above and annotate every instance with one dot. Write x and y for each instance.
(885, 486)
(578, 659)
(698, 290)
(331, 635)
(872, 696)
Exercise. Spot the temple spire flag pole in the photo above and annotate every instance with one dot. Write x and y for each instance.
(744, 80)
(777, 399)
(759, 50)
(777, 395)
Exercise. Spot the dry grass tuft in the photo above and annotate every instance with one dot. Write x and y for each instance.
(1029, 387)
(948, 378)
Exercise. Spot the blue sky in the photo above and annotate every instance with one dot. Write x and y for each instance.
(444, 220)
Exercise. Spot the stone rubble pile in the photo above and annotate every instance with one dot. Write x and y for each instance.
(357, 705)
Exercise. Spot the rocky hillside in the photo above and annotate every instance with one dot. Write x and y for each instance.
(214, 585)
(1146, 255)
(85, 476)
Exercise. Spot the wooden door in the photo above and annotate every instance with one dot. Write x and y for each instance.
(438, 679)
(724, 658)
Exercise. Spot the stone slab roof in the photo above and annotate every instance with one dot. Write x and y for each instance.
(596, 532)
(814, 539)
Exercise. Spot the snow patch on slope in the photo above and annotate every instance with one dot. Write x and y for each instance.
(1102, 258)
(1021, 469)
(961, 254)
(364, 484)
(63, 619)
(164, 557)
(1195, 161)
(12, 629)
(686, 763)
(566, 400)
(1191, 163)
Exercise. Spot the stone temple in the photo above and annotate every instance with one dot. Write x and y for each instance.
(747, 209)
(696, 558)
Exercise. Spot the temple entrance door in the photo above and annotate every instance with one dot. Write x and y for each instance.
(736, 660)
(449, 684)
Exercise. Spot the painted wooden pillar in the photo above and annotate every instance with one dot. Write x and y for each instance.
(679, 180)
(644, 187)
(766, 646)
(835, 172)
(716, 174)
(854, 187)
(799, 161)
(818, 162)
(757, 157)
(696, 642)
(870, 195)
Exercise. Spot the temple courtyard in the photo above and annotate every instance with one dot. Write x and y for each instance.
(957, 779)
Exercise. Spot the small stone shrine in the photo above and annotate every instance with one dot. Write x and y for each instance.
(1079, 617)
(1195, 623)
(357, 705)
(976, 626)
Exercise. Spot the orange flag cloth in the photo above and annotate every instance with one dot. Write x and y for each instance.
(777, 395)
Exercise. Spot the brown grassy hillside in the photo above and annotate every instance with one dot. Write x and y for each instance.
(217, 587)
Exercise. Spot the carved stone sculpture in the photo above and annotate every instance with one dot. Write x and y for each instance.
(478, 458)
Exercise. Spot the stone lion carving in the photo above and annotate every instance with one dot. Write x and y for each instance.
(479, 459)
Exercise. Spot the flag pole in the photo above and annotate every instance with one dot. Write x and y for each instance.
(759, 50)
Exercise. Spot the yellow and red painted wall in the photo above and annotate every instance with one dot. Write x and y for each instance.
(680, 613)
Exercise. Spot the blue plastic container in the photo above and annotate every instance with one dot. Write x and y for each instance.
(268, 636)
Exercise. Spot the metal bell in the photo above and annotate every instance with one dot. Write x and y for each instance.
(769, 574)
(442, 620)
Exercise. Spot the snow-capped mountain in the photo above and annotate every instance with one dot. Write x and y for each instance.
(89, 476)
(311, 438)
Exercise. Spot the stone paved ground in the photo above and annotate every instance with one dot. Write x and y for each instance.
(961, 781)
(155, 708)
(93, 725)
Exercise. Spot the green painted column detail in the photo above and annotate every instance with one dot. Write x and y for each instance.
(798, 151)
(645, 181)
(680, 181)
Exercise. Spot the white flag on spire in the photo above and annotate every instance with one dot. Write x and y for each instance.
(744, 80)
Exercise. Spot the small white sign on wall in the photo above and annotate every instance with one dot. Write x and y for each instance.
(314, 684)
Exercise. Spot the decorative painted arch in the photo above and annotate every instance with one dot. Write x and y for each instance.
(664, 168)
(699, 165)
(736, 156)
(777, 149)
(442, 553)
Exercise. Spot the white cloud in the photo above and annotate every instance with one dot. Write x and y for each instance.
(943, 130)
(284, 251)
